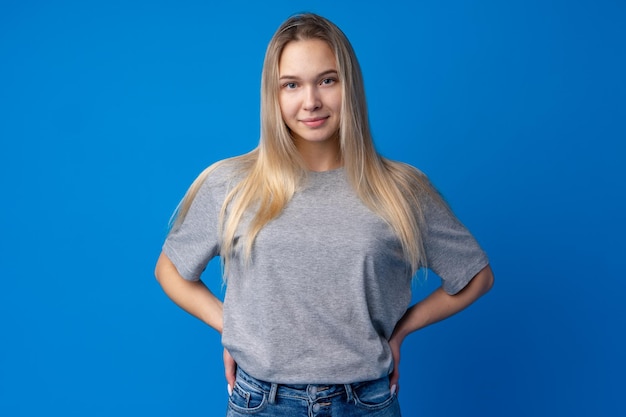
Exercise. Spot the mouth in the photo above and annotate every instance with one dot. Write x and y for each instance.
(314, 121)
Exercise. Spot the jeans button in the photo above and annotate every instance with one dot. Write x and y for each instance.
(313, 391)
(316, 408)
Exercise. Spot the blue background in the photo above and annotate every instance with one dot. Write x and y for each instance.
(109, 109)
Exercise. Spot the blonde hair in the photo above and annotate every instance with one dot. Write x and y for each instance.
(274, 170)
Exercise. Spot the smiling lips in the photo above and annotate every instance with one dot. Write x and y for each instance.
(314, 121)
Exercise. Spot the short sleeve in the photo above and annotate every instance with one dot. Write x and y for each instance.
(193, 243)
(451, 251)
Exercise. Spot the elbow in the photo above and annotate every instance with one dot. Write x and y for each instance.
(486, 279)
(160, 270)
(166, 273)
(156, 273)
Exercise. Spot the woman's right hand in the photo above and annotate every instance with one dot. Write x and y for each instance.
(230, 370)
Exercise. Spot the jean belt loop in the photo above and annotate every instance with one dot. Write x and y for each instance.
(273, 390)
(349, 393)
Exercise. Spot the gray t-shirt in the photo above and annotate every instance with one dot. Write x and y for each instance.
(326, 283)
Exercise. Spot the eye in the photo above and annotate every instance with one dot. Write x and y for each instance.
(290, 85)
(328, 81)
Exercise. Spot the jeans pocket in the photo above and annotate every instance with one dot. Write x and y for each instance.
(246, 399)
(373, 395)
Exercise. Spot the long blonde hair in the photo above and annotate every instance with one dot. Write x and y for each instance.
(273, 171)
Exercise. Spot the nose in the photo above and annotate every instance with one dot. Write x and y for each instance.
(312, 99)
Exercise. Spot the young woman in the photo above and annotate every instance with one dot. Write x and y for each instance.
(320, 237)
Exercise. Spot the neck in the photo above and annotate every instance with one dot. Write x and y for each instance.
(320, 156)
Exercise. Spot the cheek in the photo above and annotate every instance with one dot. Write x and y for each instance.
(286, 113)
(286, 107)
(337, 101)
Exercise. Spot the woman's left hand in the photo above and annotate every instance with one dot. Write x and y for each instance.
(437, 306)
(394, 377)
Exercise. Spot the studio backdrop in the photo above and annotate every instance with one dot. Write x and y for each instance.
(109, 110)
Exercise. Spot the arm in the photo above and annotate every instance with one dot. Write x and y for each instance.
(192, 296)
(196, 299)
(436, 307)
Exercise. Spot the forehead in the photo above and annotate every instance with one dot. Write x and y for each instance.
(308, 55)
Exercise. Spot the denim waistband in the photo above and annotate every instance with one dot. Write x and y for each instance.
(303, 391)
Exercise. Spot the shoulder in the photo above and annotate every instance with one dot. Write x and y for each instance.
(404, 172)
(409, 178)
(417, 188)
(224, 174)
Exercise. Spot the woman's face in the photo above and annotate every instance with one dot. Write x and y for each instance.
(310, 91)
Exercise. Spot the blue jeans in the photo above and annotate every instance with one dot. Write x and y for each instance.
(252, 397)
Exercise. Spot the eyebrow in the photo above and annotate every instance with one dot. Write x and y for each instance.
(320, 75)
